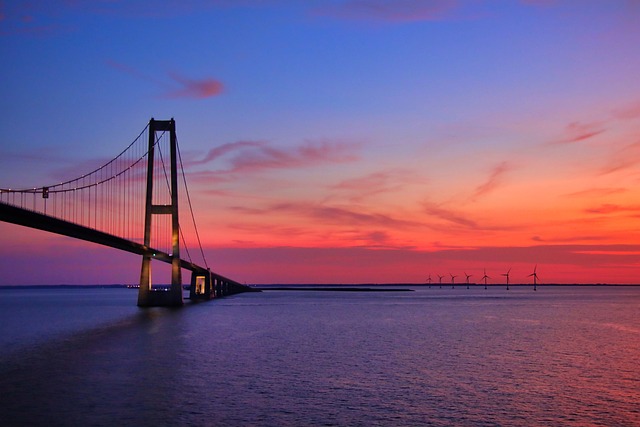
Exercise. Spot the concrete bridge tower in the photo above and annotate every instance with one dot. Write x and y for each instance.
(146, 296)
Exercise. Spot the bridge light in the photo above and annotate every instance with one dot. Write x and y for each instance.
(45, 192)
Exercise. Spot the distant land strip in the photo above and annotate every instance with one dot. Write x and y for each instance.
(330, 289)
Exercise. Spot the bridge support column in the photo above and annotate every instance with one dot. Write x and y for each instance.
(202, 287)
(146, 295)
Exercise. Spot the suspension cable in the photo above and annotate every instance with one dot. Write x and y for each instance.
(166, 177)
(186, 188)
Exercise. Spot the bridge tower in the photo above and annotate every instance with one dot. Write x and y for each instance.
(146, 296)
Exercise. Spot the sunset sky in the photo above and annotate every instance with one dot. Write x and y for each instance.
(344, 141)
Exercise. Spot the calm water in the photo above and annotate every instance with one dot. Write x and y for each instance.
(441, 357)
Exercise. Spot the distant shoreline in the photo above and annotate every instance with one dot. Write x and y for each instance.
(337, 288)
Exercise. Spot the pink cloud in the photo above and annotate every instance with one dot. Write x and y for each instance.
(577, 132)
(372, 184)
(187, 88)
(628, 156)
(227, 148)
(493, 181)
(197, 89)
(247, 156)
(341, 215)
(361, 225)
(388, 10)
(627, 113)
(355, 236)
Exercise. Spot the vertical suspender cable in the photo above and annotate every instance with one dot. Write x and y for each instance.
(186, 188)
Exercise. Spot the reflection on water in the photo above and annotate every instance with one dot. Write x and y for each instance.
(560, 356)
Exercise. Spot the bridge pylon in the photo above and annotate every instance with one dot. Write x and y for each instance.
(147, 297)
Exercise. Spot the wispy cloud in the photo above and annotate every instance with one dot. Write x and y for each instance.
(246, 156)
(609, 208)
(192, 88)
(387, 10)
(493, 181)
(372, 184)
(571, 239)
(343, 215)
(338, 226)
(330, 214)
(598, 192)
(227, 148)
(626, 157)
(176, 85)
(578, 132)
(629, 112)
(448, 215)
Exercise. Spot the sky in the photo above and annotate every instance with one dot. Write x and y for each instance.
(341, 141)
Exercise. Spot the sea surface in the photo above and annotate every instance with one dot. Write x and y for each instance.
(561, 356)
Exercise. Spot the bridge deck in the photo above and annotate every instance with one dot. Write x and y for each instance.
(31, 219)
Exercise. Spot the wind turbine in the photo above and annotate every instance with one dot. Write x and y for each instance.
(507, 275)
(535, 277)
(485, 277)
(429, 280)
(453, 280)
(468, 275)
(440, 280)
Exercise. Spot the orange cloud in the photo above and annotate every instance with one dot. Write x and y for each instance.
(598, 192)
(612, 208)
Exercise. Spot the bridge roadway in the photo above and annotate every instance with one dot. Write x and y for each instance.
(220, 285)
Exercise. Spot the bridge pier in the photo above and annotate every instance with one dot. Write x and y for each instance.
(201, 286)
(149, 297)
(206, 285)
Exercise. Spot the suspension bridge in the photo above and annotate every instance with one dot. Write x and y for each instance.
(130, 203)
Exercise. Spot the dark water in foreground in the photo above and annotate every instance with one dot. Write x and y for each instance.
(556, 357)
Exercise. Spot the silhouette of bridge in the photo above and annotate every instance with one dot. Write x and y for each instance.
(129, 203)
